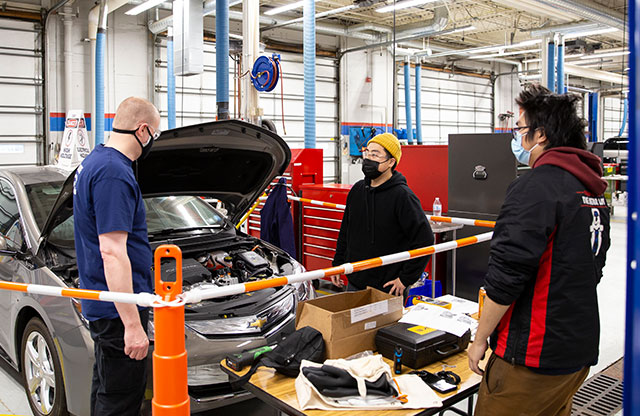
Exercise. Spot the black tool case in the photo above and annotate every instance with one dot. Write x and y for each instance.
(420, 345)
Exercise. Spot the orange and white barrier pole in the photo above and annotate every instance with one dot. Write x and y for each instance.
(140, 299)
(463, 221)
(170, 391)
(196, 296)
(451, 220)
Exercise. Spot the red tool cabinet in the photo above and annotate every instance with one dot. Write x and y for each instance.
(321, 225)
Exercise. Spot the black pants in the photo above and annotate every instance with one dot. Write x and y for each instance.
(119, 382)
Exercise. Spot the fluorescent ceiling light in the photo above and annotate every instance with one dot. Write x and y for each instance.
(530, 61)
(605, 55)
(460, 29)
(403, 5)
(496, 55)
(502, 47)
(285, 8)
(144, 7)
(591, 32)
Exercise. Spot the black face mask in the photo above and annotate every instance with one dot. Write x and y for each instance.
(146, 148)
(370, 169)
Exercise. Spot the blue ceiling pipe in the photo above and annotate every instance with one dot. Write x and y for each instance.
(560, 68)
(631, 402)
(407, 100)
(551, 66)
(222, 58)
(418, 104)
(171, 83)
(625, 115)
(593, 116)
(309, 58)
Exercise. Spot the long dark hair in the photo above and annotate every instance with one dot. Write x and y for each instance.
(555, 114)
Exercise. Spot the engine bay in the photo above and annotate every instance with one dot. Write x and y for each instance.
(242, 260)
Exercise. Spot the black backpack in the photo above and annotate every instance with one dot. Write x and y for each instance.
(304, 344)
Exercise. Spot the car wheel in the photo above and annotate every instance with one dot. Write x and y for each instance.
(41, 371)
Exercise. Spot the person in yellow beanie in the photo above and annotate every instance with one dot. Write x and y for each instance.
(382, 216)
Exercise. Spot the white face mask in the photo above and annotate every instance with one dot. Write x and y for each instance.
(522, 155)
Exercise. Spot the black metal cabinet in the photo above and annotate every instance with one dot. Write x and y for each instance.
(481, 167)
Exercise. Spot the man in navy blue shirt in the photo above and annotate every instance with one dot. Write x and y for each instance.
(113, 253)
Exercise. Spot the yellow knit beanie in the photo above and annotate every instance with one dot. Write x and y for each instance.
(389, 142)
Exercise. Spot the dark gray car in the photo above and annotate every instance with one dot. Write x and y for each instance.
(47, 339)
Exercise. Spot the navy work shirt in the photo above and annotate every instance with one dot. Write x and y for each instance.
(106, 198)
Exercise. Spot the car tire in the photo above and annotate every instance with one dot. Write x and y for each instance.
(42, 371)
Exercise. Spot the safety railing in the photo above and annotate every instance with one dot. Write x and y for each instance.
(170, 391)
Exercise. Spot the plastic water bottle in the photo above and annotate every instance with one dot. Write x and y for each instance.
(437, 208)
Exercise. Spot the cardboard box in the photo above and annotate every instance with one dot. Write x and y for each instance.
(349, 321)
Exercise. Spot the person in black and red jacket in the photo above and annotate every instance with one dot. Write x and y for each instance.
(547, 253)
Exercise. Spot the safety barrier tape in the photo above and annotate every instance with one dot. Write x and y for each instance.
(195, 296)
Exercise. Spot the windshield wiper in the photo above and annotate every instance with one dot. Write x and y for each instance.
(168, 231)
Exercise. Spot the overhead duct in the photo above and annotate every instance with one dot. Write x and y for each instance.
(589, 10)
(98, 18)
(188, 28)
(326, 29)
(596, 74)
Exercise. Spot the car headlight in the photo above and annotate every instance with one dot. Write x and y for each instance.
(243, 325)
(304, 290)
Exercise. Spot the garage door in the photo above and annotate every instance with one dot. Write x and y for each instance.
(613, 115)
(22, 133)
(451, 103)
(196, 100)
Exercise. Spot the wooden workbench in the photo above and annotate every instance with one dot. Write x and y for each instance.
(280, 392)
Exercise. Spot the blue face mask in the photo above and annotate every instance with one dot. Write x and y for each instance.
(521, 154)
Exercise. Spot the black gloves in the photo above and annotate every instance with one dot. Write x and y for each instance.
(335, 382)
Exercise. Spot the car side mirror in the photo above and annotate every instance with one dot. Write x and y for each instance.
(3, 243)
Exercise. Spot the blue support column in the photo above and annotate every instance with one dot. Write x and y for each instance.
(418, 103)
(632, 338)
(407, 100)
(560, 68)
(171, 83)
(222, 58)
(309, 63)
(99, 122)
(551, 66)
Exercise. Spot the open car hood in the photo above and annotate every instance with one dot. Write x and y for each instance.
(229, 160)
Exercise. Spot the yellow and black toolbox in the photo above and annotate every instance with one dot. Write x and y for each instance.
(420, 345)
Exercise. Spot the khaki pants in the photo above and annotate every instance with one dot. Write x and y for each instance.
(511, 390)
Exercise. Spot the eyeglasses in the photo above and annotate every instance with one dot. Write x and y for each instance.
(516, 129)
(154, 135)
(375, 155)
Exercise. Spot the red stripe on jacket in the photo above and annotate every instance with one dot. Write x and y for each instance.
(538, 326)
(503, 332)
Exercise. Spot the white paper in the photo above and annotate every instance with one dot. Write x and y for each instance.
(459, 305)
(369, 325)
(368, 311)
(439, 318)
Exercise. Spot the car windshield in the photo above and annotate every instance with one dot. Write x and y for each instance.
(167, 214)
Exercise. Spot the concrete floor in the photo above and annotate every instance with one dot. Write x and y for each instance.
(611, 294)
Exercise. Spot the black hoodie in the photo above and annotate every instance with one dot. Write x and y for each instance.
(383, 220)
(547, 253)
